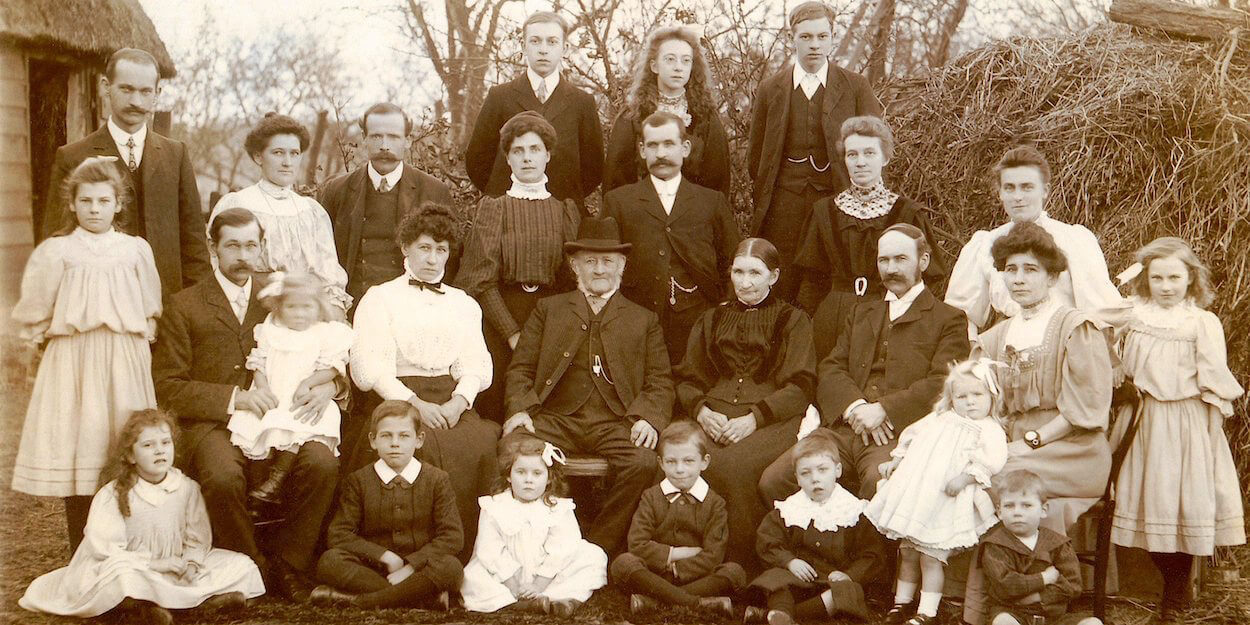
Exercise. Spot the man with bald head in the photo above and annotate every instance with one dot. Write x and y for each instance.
(886, 369)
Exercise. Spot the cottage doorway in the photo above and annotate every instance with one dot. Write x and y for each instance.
(49, 97)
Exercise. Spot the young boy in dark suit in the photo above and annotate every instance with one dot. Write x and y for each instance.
(678, 536)
(576, 166)
(394, 540)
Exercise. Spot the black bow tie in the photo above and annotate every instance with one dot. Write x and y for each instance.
(434, 287)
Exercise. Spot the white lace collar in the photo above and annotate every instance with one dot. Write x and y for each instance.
(156, 494)
(529, 190)
(866, 202)
(513, 515)
(841, 509)
(1157, 316)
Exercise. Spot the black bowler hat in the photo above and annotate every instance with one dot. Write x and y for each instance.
(598, 235)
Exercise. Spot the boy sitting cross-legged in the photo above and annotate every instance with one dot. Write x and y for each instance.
(394, 539)
(678, 535)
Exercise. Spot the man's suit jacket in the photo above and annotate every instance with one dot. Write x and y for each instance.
(923, 344)
(199, 357)
(173, 220)
(633, 346)
(700, 231)
(576, 166)
(344, 199)
(847, 94)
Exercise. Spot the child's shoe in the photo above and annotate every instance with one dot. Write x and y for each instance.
(564, 608)
(899, 613)
(328, 595)
(721, 605)
(229, 602)
(153, 614)
(642, 603)
(777, 617)
(921, 619)
(538, 605)
(754, 614)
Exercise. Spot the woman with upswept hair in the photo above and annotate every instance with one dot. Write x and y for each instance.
(670, 74)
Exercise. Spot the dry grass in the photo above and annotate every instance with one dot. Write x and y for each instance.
(1147, 137)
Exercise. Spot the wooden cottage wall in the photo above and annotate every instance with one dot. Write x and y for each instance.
(16, 236)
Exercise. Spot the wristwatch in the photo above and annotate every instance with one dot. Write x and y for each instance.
(1033, 439)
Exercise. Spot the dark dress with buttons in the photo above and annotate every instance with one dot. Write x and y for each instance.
(749, 360)
(838, 257)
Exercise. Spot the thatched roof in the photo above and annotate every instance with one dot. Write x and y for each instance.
(90, 29)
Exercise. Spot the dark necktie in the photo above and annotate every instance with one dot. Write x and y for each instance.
(130, 160)
(433, 287)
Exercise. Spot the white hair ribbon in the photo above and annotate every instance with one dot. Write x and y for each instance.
(551, 454)
(274, 287)
(1133, 271)
(105, 159)
(983, 369)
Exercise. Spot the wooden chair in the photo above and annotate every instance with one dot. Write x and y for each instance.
(1104, 510)
(585, 466)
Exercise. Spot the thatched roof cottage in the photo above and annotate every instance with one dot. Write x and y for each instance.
(51, 57)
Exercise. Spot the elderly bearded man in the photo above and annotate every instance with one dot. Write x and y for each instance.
(590, 374)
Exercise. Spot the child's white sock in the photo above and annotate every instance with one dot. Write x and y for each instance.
(905, 592)
(827, 597)
(929, 602)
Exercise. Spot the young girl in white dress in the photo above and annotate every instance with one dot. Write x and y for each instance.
(933, 493)
(297, 347)
(91, 292)
(529, 551)
(1177, 492)
(148, 544)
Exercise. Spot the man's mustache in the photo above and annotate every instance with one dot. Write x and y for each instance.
(662, 161)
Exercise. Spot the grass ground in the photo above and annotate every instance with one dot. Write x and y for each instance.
(32, 542)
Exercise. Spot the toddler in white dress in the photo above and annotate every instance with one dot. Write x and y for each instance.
(932, 496)
(529, 550)
(297, 348)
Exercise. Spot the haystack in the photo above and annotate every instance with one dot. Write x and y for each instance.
(1147, 137)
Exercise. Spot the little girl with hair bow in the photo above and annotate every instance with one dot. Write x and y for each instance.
(529, 550)
(297, 347)
(932, 496)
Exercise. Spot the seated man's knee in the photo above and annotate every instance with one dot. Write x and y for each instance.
(777, 482)
(1003, 618)
(317, 463)
(223, 480)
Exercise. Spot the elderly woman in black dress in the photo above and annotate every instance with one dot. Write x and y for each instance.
(748, 377)
(515, 254)
(419, 340)
(670, 74)
(838, 257)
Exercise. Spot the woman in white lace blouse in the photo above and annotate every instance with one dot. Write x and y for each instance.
(298, 235)
(420, 340)
(1023, 178)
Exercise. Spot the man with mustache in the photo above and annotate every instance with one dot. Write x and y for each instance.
(165, 204)
(887, 367)
(590, 375)
(796, 118)
(199, 366)
(367, 205)
(684, 235)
